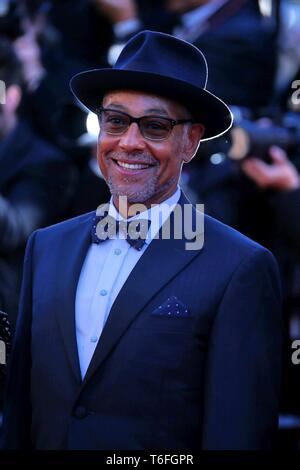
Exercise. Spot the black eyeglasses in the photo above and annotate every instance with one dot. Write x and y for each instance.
(151, 127)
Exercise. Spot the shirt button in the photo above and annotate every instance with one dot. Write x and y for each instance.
(117, 251)
(94, 339)
(103, 292)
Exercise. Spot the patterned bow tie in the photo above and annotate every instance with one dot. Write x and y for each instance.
(106, 227)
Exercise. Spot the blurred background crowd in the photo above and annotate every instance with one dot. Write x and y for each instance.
(248, 178)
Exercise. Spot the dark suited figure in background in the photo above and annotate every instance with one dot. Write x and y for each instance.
(278, 183)
(239, 45)
(146, 342)
(85, 34)
(238, 42)
(35, 182)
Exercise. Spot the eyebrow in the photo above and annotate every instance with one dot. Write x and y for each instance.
(159, 111)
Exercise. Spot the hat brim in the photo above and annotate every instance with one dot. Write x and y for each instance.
(90, 87)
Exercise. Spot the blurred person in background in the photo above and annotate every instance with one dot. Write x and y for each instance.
(54, 40)
(274, 219)
(238, 42)
(85, 33)
(229, 32)
(276, 223)
(35, 181)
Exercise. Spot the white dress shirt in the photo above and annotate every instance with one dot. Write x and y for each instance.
(106, 267)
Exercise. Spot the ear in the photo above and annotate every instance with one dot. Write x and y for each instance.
(195, 133)
(13, 98)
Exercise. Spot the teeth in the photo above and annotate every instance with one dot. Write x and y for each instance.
(131, 166)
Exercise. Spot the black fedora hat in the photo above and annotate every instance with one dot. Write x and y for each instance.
(161, 64)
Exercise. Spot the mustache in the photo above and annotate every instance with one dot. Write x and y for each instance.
(134, 157)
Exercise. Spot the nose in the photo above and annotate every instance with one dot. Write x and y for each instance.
(132, 139)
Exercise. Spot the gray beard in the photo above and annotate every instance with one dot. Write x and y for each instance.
(148, 192)
(134, 197)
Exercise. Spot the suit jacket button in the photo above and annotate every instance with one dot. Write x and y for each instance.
(80, 412)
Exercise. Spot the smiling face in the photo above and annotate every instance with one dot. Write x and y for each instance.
(143, 170)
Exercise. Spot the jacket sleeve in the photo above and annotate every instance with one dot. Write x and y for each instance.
(244, 360)
(15, 431)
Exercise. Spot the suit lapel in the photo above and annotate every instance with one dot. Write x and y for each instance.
(162, 261)
(76, 242)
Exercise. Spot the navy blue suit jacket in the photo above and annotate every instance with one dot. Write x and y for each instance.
(206, 378)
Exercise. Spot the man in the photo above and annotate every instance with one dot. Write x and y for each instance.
(167, 344)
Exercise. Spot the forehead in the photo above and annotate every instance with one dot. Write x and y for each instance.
(143, 103)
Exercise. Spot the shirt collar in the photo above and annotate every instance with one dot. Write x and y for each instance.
(157, 214)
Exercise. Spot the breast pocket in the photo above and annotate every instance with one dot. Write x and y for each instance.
(161, 344)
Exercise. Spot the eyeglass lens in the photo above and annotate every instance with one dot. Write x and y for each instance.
(151, 127)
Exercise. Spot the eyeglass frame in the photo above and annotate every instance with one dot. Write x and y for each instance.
(137, 120)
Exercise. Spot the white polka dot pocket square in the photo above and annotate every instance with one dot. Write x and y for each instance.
(173, 307)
